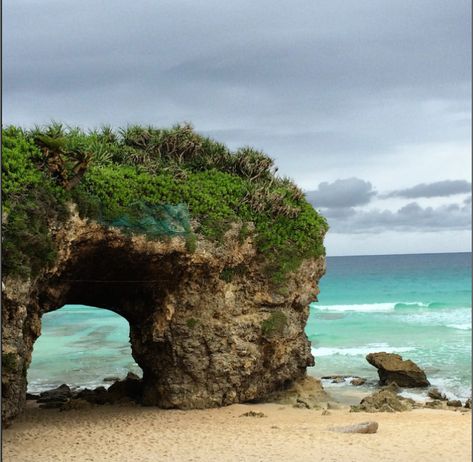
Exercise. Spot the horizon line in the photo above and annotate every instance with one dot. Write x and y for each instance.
(393, 254)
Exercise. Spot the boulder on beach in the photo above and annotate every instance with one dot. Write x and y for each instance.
(60, 394)
(392, 368)
(454, 403)
(436, 394)
(385, 400)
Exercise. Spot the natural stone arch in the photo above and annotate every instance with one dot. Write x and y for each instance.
(207, 328)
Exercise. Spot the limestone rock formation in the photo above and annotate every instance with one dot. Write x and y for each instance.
(200, 339)
(392, 368)
(385, 400)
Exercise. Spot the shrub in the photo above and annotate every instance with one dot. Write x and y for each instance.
(107, 173)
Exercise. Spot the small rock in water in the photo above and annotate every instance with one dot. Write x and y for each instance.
(435, 394)
(364, 427)
(392, 368)
(338, 380)
(111, 379)
(358, 381)
(253, 414)
(454, 403)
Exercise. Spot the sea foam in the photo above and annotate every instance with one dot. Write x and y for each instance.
(359, 351)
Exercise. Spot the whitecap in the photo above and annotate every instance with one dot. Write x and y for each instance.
(363, 308)
(358, 351)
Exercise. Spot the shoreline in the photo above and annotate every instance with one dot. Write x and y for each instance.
(130, 432)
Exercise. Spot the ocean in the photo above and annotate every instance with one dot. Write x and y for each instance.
(416, 305)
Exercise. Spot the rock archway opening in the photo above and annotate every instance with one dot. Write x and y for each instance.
(83, 347)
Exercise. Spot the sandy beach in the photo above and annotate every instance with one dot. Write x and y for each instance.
(132, 433)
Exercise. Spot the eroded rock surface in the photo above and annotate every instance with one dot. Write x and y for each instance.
(393, 369)
(202, 340)
(385, 400)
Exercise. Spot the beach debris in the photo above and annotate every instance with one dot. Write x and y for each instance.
(363, 427)
(357, 381)
(435, 393)
(326, 412)
(454, 403)
(392, 368)
(385, 400)
(253, 414)
(468, 403)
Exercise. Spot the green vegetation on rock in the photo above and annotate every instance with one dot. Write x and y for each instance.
(275, 324)
(107, 173)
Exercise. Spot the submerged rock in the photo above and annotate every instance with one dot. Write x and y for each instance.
(358, 381)
(392, 368)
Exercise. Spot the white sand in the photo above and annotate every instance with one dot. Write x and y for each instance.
(132, 433)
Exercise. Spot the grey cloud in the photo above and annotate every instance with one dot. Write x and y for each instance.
(320, 86)
(411, 217)
(437, 189)
(342, 193)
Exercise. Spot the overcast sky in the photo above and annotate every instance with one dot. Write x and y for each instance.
(365, 104)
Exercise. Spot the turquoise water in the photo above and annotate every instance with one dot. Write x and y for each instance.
(80, 345)
(416, 305)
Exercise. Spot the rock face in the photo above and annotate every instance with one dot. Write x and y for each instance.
(392, 368)
(202, 340)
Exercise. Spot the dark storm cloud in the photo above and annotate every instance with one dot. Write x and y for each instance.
(334, 78)
(411, 217)
(349, 192)
(437, 189)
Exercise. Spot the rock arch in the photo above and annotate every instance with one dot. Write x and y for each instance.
(206, 327)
